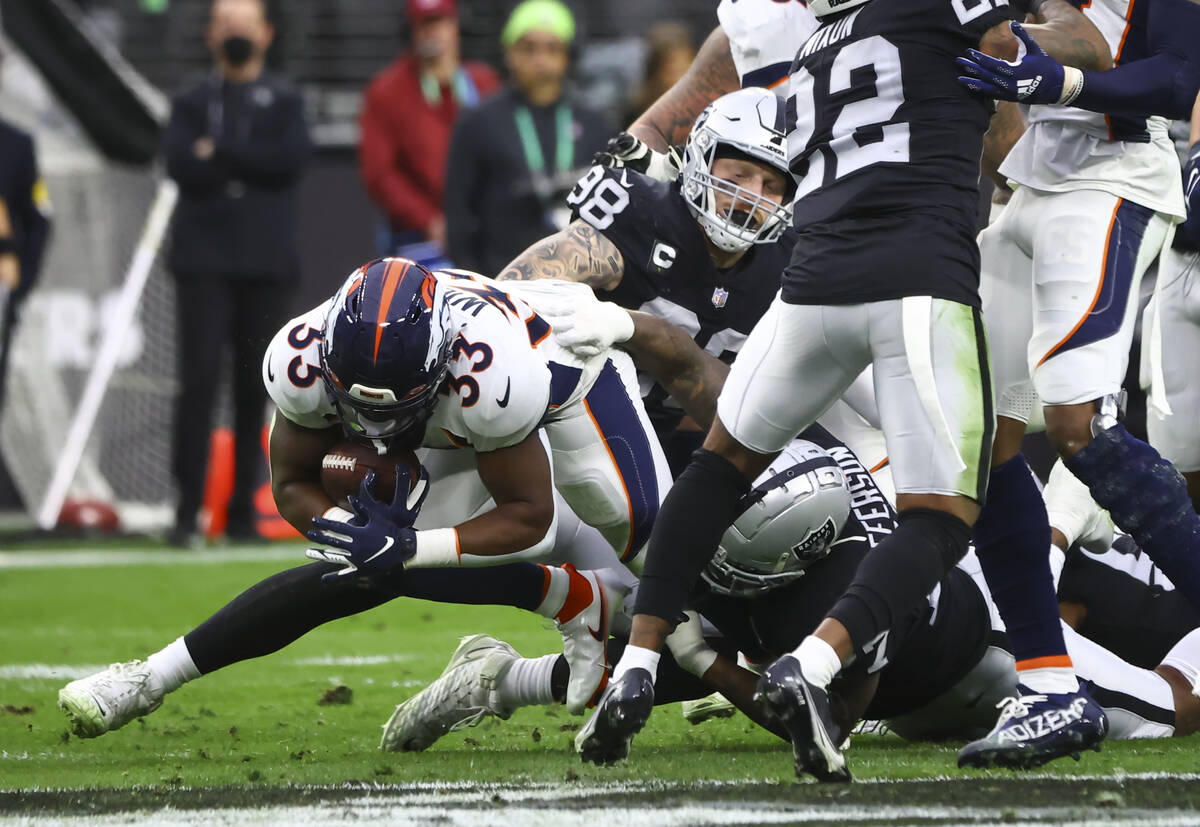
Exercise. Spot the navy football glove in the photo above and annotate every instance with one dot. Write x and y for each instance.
(380, 538)
(1034, 77)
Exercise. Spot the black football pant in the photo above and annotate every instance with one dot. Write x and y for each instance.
(213, 312)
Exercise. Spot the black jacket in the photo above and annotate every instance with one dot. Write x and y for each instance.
(493, 211)
(237, 208)
(24, 196)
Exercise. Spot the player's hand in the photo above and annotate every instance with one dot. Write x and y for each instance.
(380, 538)
(1034, 77)
(629, 151)
(591, 328)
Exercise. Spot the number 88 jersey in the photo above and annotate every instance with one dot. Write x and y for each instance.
(882, 127)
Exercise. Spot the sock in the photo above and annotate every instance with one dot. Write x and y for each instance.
(1148, 499)
(635, 657)
(264, 618)
(172, 667)
(700, 506)
(565, 593)
(528, 682)
(1012, 541)
(1185, 656)
(893, 582)
(818, 662)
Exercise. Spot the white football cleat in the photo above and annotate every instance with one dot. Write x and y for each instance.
(585, 644)
(700, 710)
(110, 699)
(461, 697)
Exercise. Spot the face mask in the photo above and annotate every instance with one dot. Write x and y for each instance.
(237, 49)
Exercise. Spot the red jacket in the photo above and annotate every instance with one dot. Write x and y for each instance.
(404, 141)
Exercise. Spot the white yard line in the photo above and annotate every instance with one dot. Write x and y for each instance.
(50, 559)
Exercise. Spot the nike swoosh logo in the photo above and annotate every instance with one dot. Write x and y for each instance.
(270, 373)
(1193, 179)
(503, 403)
(386, 546)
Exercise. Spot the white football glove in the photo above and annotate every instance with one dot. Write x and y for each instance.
(688, 647)
(626, 150)
(590, 328)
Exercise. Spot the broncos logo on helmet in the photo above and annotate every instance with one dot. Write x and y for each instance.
(386, 350)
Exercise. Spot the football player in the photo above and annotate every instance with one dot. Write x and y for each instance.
(1171, 325)
(885, 148)
(403, 356)
(1094, 200)
(1157, 72)
(807, 524)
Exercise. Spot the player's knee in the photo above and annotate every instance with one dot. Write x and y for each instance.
(1069, 427)
(749, 462)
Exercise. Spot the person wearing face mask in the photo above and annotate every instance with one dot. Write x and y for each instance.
(514, 158)
(408, 114)
(235, 144)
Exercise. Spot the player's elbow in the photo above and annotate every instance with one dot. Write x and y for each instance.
(537, 523)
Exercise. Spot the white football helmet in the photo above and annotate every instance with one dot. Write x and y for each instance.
(796, 510)
(751, 121)
(824, 8)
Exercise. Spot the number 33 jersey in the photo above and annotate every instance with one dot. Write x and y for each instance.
(507, 375)
(885, 150)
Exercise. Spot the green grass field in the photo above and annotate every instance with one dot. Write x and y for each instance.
(254, 736)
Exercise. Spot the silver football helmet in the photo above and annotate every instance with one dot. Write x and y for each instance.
(797, 509)
(824, 8)
(751, 121)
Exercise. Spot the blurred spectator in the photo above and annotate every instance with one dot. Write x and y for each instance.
(24, 228)
(514, 158)
(670, 51)
(410, 110)
(235, 143)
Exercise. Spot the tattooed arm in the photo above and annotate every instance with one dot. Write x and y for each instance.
(578, 253)
(666, 352)
(1005, 130)
(1060, 29)
(669, 119)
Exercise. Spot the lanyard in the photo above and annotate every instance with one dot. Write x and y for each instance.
(461, 87)
(564, 143)
(216, 108)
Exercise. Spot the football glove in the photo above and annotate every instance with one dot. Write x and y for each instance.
(1033, 78)
(628, 151)
(380, 537)
(591, 327)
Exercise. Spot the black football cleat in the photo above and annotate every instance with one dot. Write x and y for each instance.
(803, 709)
(621, 713)
(1035, 729)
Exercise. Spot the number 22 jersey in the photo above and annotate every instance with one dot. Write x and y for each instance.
(885, 150)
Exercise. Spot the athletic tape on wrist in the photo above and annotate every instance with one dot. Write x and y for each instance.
(1072, 85)
(436, 548)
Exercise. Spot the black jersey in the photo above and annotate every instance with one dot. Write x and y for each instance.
(885, 150)
(668, 271)
(929, 651)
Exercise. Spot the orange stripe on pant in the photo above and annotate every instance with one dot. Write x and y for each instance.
(620, 476)
(1099, 287)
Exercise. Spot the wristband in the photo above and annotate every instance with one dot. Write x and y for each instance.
(1072, 85)
(436, 548)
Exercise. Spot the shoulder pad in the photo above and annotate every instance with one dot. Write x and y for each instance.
(292, 372)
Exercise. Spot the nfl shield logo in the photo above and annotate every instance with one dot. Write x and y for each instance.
(719, 297)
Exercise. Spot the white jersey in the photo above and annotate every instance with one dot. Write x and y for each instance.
(507, 374)
(764, 36)
(1067, 149)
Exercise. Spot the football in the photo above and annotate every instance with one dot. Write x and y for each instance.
(346, 464)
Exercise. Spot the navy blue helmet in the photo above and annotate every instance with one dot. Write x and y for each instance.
(386, 350)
